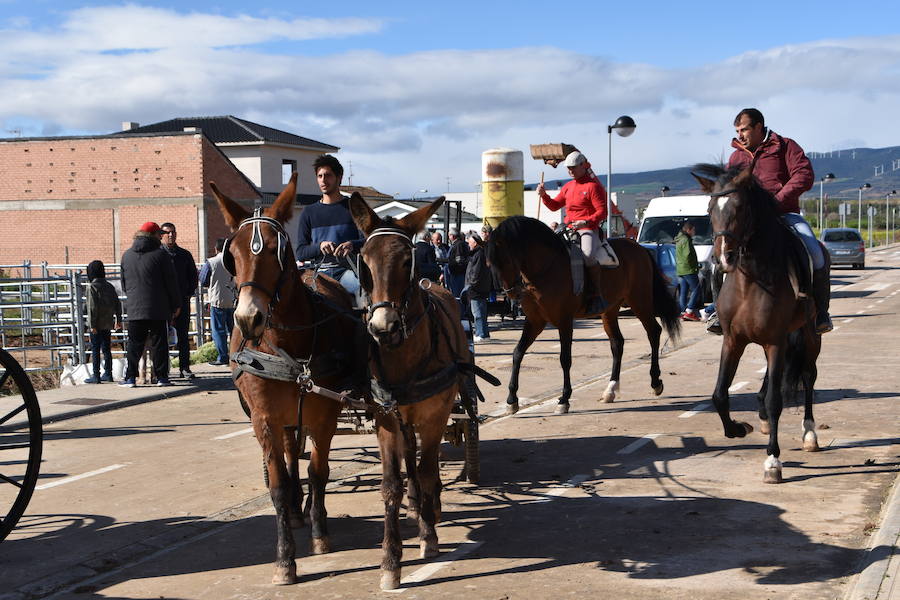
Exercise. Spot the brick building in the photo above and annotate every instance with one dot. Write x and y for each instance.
(79, 198)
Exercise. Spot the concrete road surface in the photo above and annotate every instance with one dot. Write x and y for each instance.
(642, 498)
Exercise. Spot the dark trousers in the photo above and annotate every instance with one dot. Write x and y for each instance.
(182, 324)
(100, 345)
(139, 332)
(689, 292)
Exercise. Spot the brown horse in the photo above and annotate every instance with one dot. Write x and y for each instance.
(533, 264)
(415, 362)
(759, 303)
(286, 328)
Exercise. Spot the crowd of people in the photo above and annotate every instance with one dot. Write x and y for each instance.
(158, 279)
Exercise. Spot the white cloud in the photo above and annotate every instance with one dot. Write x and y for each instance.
(410, 120)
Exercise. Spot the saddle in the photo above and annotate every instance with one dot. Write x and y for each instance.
(800, 266)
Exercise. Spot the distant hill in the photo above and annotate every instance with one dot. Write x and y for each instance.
(852, 167)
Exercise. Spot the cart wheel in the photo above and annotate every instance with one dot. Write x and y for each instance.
(20, 447)
(473, 465)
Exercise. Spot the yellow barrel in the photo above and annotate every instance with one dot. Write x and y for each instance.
(502, 184)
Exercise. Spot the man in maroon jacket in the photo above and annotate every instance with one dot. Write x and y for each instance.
(782, 168)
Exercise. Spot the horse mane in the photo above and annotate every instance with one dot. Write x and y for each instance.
(515, 235)
(769, 242)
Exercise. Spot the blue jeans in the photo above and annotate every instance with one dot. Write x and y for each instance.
(455, 283)
(688, 292)
(479, 316)
(221, 321)
(799, 225)
(100, 345)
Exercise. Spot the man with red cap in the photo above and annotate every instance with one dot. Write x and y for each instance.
(584, 199)
(151, 301)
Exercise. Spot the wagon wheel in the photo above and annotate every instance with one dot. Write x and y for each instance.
(20, 447)
(470, 438)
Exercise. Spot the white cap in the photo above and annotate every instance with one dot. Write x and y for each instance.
(575, 158)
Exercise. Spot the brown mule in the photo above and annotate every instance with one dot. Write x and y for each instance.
(311, 320)
(419, 342)
(759, 304)
(533, 264)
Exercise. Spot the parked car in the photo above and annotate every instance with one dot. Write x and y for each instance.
(663, 219)
(664, 255)
(845, 246)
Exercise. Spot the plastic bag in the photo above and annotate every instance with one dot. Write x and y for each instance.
(173, 336)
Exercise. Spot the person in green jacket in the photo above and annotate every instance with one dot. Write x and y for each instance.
(687, 269)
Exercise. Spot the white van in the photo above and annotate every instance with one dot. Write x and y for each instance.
(663, 218)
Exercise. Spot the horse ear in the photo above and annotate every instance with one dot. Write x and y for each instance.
(363, 215)
(743, 178)
(233, 212)
(415, 221)
(283, 207)
(706, 184)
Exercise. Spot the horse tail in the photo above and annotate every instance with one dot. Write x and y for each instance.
(664, 305)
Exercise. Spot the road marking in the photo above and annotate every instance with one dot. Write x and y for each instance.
(836, 327)
(505, 360)
(877, 287)
(602, 333)
(879, 301)
(847, 320)
(737, 386)
(468, 547)
(234, 434)
(78, 477)
(859, 312)
(870, 306)
(638, 443)
(696, 410)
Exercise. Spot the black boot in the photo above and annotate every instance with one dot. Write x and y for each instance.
(595, 303)
(821, 284)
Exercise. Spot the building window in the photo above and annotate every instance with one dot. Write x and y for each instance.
(287, 168)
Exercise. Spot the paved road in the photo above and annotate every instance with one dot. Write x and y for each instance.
(641, 498)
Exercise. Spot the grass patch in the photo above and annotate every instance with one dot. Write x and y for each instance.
(205, 353)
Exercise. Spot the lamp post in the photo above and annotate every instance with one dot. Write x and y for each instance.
(419, 192)
(864, 186)
(663, 190)
(624, 126)
(828, 177)
(887, 215)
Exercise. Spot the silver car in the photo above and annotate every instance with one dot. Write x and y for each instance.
(845, 246)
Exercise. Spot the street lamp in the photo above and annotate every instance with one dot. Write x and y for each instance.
(624, 126)
(426, 191)
(887, 215)
(864, 186)
(828, 177)
(664, 189)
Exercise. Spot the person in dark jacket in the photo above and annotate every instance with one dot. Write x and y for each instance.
(457, 262)
(152, 300)
(426, 259)
(104, 313)
(186, 274)
(478, 286)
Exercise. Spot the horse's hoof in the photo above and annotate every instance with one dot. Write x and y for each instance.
(658, 389)
(810, 442)
(764, 427)
(562, 409)
(609, 394)
(390, 580)
(772, 476)
(608, 397)
(319, 546)
(428, 549)
(512, 409)
(285, 575)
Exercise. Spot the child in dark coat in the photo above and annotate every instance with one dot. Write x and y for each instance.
(104, 313)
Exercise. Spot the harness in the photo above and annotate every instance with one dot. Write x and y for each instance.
(390, 396)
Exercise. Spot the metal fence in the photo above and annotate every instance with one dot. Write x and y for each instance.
(42, 313)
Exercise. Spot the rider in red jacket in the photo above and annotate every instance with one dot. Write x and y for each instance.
(585, 202)
(782, 168)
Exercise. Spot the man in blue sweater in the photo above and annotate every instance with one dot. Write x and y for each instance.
(327, 229)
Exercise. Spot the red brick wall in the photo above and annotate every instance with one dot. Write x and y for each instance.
(47, 235)
(126, 167)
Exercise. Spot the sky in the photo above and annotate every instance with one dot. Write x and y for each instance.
(414, 92)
